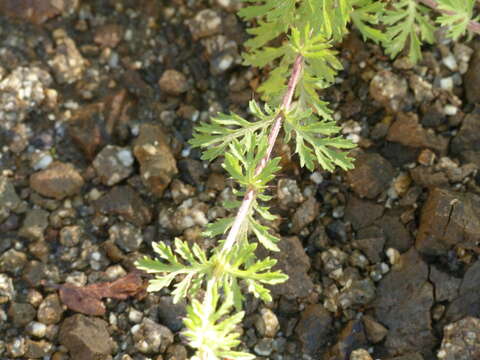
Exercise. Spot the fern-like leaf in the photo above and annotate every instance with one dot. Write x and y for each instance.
(457, 15)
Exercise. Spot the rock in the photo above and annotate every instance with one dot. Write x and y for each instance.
(375, 331)
(173, 82)
(38, 349)
(371, 176)
(188, 214)
(461, 340)
(113, 164)
(177, 352)
(264, 347)
(407, 131)
(34, 225)
(350, 338)
(360, 354)
(313, 329)
(86, 338)
(126, 236)
(192, 171)
(468, 301)
(157, 163)
(170, 314)
(125, 202)
(67, 64)
(396, 235)
(71, 236)
(446, 286)
(13, 262)
(371, 247)
(362, 213)
(23, 91)
(36, 11)
(305, 214)
(50, 310)
(466, 143)
(267, 323)
(21, 313)
(357, 293)
(108, 35)
(58, 181)
(9, 200)
(150, 337)
(408, 356)
(293, 261)
(7, 291)
(448, 219)
(36, 329)
(388, 89)
(289, 194)
(206, 23)
(403, 302)
(427, 177)
(471, 79)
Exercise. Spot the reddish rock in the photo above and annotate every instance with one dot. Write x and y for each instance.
(407, 131)
(448, 218)
(173, 82)
(372, 175)
(58, 181)
(34, 11)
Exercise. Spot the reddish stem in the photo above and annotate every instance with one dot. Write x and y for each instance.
(472, 25)
(249, 197)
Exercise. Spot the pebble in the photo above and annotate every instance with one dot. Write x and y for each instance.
(151, 337)
(9, 200)
(461, 340)
(267, 323)
(21, 313)
(388, 89)
(135, 316)
(58, 181)
(375, 331)
(34, 225)
(173, 82)
(360, 354)
(206, 23)
(7, 291)
(67, 64)
(50, 310)
(264, 347)
(36, 329)
(113, 164)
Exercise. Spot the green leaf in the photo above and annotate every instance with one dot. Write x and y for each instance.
(264, 237)
(460, 12)
(365, 14)
(219, 227)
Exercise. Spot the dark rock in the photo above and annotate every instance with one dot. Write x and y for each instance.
(13, 262)
(468, 301)
(314, 329)
(126, 236)
(157, 164)
(371, 176)
(448, 218)
(404, 299)
(446, 286)
(38, 349)
(34, 225)
(58, 181)
(86, 338)
(427, 177)
(113, 164)
(399, 155)
(407, 131)
(371, 247)
(152, 338)
(466, 144)
(358, 293)
(192, 171)
(293, 261)
(304, 215)
(396, 235)
(9, 201)
(108, 35)
(375, 331)
(362, 213)
(34, 11)
(21, 313)
(471, 79)
(170, 314)
(351, 337)
(337, 231)
(125, 202)
(461, 340)
(409, 356)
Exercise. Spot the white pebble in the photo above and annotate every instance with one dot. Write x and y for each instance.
(125, 156)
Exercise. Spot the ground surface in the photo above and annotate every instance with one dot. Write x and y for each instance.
(97, 101)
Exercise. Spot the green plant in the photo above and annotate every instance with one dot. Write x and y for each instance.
(304, 32)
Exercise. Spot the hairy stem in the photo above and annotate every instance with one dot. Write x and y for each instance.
(472, 25)
(249, 197)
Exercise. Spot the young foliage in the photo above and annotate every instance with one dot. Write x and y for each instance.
(456, 16)
(365, 16)
(407, 22)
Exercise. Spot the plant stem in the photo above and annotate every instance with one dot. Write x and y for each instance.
(249, 197)
(472, 25)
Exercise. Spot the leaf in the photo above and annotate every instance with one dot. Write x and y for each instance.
(458, 14)
(264, 237)
(365, 14)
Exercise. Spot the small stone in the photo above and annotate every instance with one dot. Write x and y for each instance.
(471, 79)
(86, 338)
(34, 225)
(157, 163)
(288, 193)
(176, 352)
(70, 236)
(376, 332)
(461, 340)
(7, 291)
(388, 89)
(264, 347)
(446, 286)
(135, 316)
(67, 64)
(36, 12)
(206, 23)
(393, 256)
(38, 349)
(9, 201)
(17, 347)
(21, 313)
(170, 314)
(125, 202)
(362, 213)
(372, 175)
(126, 236)
(426, 157)
(267, 323)
(58, 181)
(113, 164)
(360, 354)
(150, 337)
(13, 262)
(36, 329)
(50, 310)
(108, 35)
(173, 82)
(305, 214)
(466, 144)
(357, 293)
(313, 329)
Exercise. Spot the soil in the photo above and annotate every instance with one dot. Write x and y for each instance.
(98, 99)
